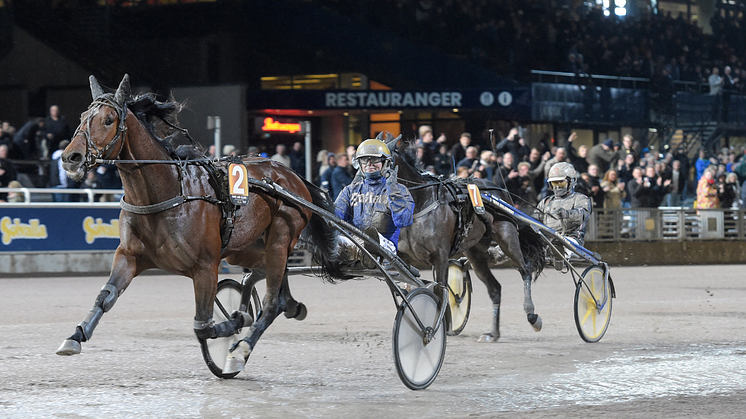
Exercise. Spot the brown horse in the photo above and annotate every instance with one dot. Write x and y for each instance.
(172, 217)
(436, 236)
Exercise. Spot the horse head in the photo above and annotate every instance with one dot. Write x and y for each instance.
(101, 132)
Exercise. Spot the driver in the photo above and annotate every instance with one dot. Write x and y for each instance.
(567, 211)
(377, 204)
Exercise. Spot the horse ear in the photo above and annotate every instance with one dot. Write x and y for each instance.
(96, 90)
(392, 144)
(123, 91)
(379, 136)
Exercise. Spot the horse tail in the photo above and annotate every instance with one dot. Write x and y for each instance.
(321, 239)
(533, 249)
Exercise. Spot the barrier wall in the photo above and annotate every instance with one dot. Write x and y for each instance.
(57, 239)
(81, 238)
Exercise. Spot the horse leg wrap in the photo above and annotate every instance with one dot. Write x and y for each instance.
(300, 312)
(104, 302)
(211, 330)
(535, 321)
(107, 297)
(90, 322)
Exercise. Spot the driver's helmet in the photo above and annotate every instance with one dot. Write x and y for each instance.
(372, 148)
(562, 179)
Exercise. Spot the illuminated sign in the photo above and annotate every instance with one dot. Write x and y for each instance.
(270, 125)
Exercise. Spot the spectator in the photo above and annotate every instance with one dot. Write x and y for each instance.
(107, 177)
(633, 188)
(537, 162)
(211, 151)
(326, 176)
(340, 177)
(628, 147)
(728, 190)
(7, 170)
(577, 159)
(715, 81)
(487, 164)
(602, 155)
(613, 189)
(15, 196)
(673, 197)
(597, 194)
(427, 139)
(707, 192)
(444, 162)
(281, 155)
(510, 144)
(298, 159)
(27, 138)
(729, 87)
(58, 177)
(703, 163)
(506, 176)
(458, 152)
(56, 129)
(470, 161)
(229, 150)
(527, 194)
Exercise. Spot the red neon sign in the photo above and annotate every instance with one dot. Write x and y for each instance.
(272, 125)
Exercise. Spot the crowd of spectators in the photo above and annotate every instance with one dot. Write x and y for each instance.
(513, 37)
(613, 175)
(30, 157)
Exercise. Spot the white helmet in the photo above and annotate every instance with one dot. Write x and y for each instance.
(562, 179)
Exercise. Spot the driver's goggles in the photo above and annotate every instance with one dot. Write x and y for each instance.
(558, 184)
(370, 160)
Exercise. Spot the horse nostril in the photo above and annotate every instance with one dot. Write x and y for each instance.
(73, 158)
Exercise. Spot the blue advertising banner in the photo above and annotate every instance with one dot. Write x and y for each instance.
(58, 229)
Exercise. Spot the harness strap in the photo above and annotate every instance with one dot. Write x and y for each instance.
(428, 209)
(163, 206)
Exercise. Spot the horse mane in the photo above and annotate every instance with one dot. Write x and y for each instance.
(159, 119)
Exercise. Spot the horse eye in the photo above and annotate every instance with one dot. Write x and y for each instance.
(109, 120)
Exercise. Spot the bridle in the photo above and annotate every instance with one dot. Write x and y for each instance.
(90, 147)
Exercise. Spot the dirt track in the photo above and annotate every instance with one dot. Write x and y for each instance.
(676, 348)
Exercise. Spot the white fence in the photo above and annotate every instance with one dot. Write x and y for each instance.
(666, 223)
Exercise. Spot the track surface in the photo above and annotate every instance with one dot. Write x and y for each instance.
(676, 348)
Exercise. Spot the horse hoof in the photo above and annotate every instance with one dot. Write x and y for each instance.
(236, 360)
(536, 324)
(69, 347)
(487, 338)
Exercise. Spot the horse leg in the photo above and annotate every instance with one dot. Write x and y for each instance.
(507, 237)
(124, 268)
(273, 304)
(205, 288)
(480, 260)
(293, 309)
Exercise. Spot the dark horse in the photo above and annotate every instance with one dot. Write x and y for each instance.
(172, 215)
(434, 238)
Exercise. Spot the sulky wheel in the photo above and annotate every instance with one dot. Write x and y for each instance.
(459, 297)
(227, 300)
(416, 361)
(593, 304)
